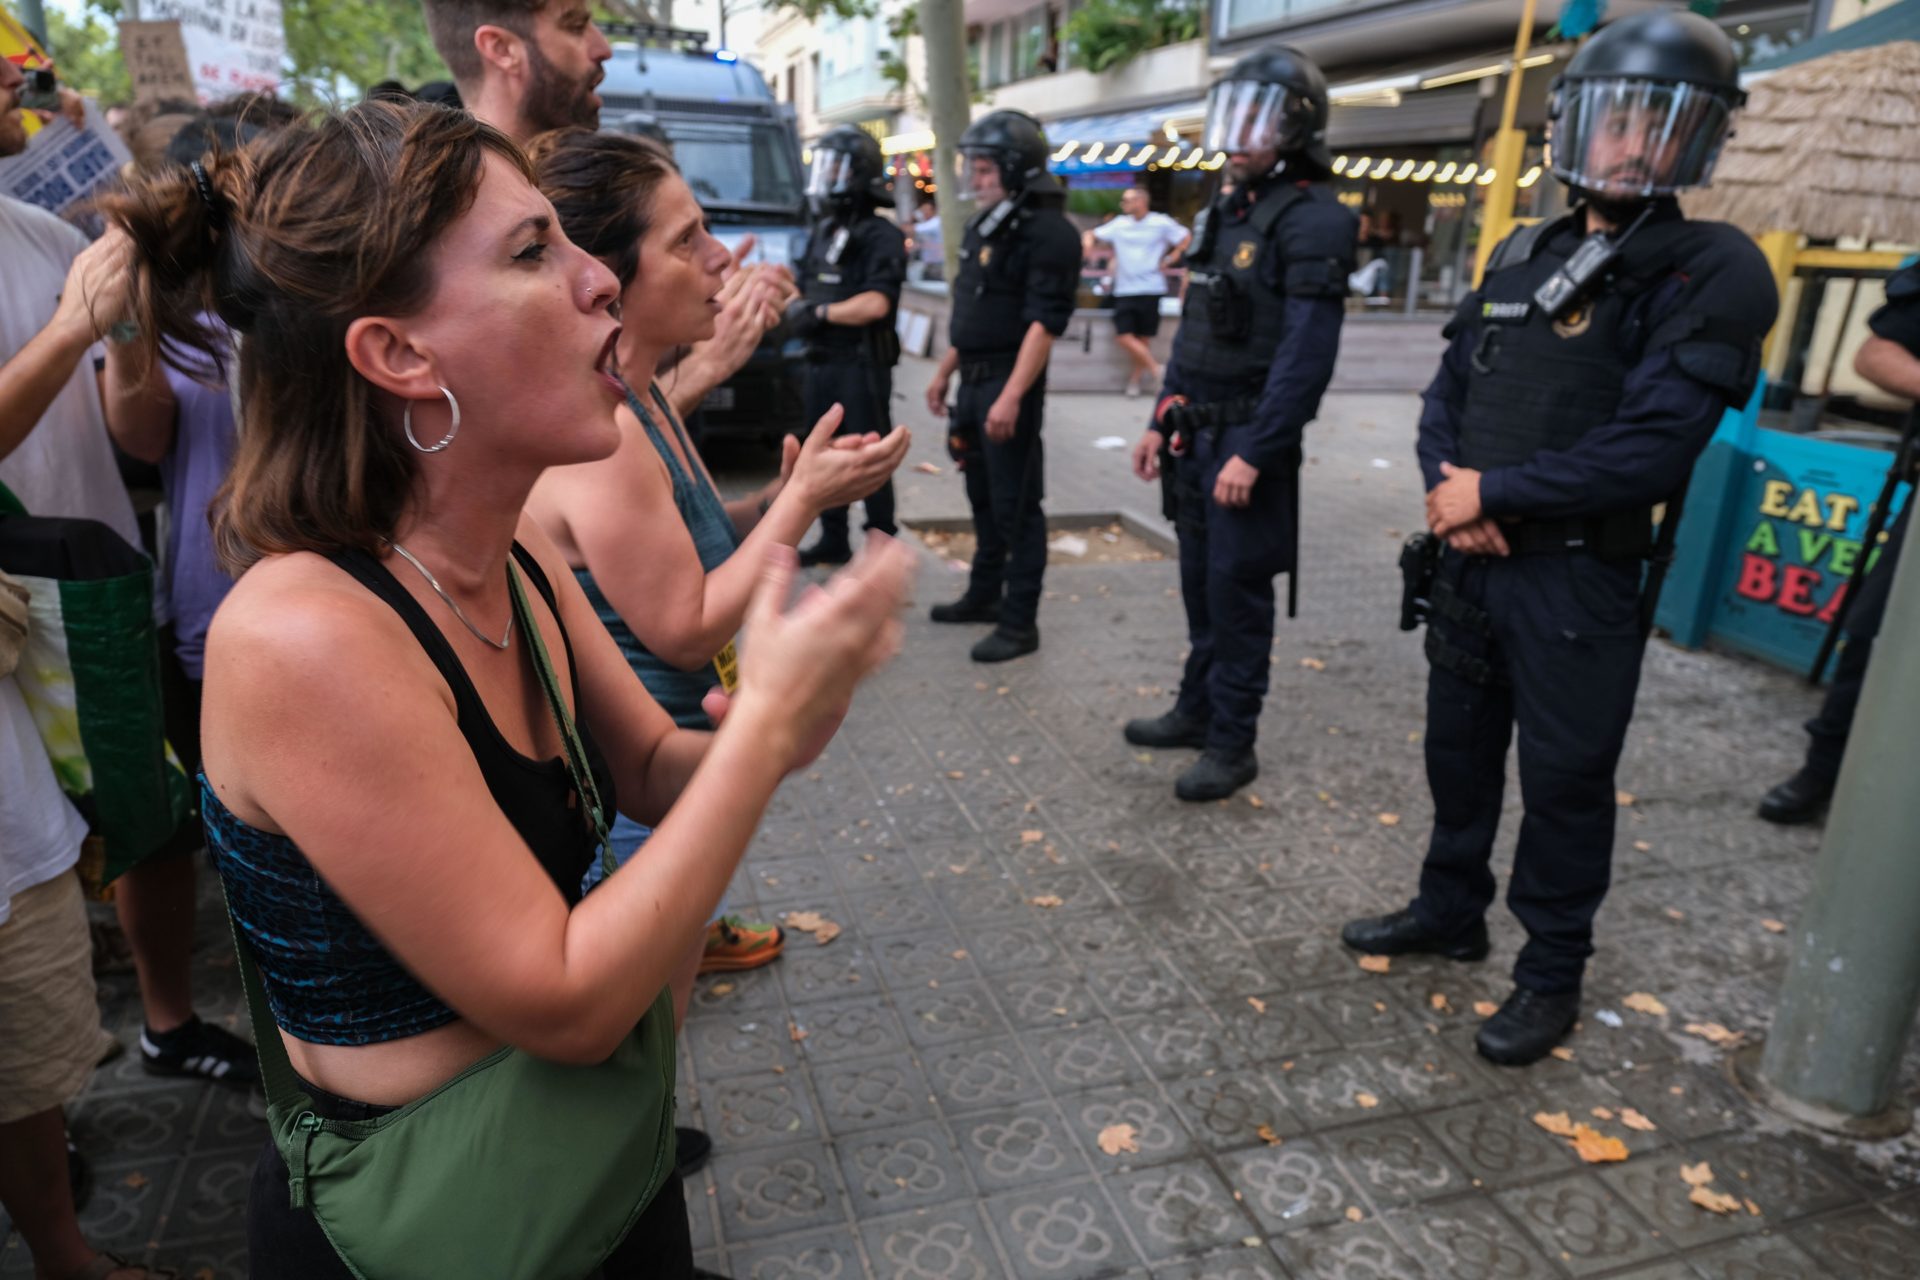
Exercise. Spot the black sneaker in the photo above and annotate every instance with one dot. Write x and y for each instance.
(1217, 774)
(825, 552)
(691, 1148)
(1007, 643)
(1169, 730)
(200, 1049)
(966, 609)
(1400, 933)
(1801, 798)
(1527, 1027)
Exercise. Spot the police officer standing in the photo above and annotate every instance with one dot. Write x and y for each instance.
(1019, 274)
(1258, 336)
(1890, 360)
(1579, 384)
(850, 291)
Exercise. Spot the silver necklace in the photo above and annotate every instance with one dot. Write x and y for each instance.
(453, 604)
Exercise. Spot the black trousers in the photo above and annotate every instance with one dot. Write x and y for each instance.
(284, 1243)
(1561, 650)
(1828, 731)
(865, 390)
(1229, 557)
(1006, 481)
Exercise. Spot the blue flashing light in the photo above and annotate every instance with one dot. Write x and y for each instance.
(725, 55)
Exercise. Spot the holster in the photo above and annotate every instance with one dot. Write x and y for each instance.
(1419, 560)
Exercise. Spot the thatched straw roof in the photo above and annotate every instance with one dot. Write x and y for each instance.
(1823, 148)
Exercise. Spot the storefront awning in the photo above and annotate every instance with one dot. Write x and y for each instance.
(1119, 141)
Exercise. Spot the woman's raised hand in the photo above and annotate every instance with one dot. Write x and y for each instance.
(801, 662)
(831, 473)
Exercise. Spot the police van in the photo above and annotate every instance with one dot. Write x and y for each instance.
(739, 149)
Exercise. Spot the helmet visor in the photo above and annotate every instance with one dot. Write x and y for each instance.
(831, 174)
(1632, 139)
(1256, 115)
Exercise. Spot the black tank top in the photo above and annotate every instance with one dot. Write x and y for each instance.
(537, 796)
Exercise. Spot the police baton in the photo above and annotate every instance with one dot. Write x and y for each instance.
(1902, 466)
(1662, 558)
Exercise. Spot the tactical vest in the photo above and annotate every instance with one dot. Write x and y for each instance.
(1540, 385)
(831, 271)
(1234, 316)
(989, 293)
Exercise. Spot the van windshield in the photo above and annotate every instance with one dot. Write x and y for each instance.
(740, 165)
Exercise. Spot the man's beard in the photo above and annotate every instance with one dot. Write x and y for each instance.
(13, 132)
(554, 103)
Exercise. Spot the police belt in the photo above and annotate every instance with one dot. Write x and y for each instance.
(1446, 603)
(1209, 417)
(987, 368)
(1618, 535)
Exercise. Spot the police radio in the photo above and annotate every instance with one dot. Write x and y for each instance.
(1571, 283)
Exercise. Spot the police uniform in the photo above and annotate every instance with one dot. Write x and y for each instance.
(1259, 332)
(1579, 426)
(850, 253)
(1018, 268)
(1801, 797)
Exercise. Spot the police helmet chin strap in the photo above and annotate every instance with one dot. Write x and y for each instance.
(1575, 279)
(995, 217)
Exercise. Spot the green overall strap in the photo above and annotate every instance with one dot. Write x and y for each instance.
(576, 751)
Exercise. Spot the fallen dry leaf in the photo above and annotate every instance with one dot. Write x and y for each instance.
(1485, 1008)
(720, 989)
(1438, 1002)
(956, 774)
(1259, 1005)
(1716, 1201)
(1376, 964)
(1557, 1123)
(796, 1032)
(135, 1180)
(1641, 1002)
(1267, 1135)
(822, 929)
(1389, 819)
(1601, 1113)
(1643, 846)
(1674, 913)
(1032, 837)
(1752, 1208)
(1624, 799)
(926, 468)
(1366, 1100)
(1595, 1147)
(1635, 1120)
(1714, 1032)
(1354, 1214)
(1313, 664)
(1561, 1052)
(1046, 900)
(1116, 1138)
(1696, 1175)
(1256, 802)
(1774, 926)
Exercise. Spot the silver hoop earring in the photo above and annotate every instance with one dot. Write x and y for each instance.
(406, 425)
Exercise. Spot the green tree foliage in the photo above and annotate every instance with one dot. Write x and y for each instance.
(87, 53)
(1104, 34)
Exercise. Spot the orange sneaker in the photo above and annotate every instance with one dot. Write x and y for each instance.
(734, 944)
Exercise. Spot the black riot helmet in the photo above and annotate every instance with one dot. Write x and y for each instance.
(1275, 99)
(1644, 107)
(1013, 140)
(848, 169)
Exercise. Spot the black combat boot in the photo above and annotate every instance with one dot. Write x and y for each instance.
(1801, 798)
(1217, 774)
(826, 551)
(691, 1148)
(1169, 730)
(967, 609)
(1527, 1027)
(1007, 643)
(1400, 934)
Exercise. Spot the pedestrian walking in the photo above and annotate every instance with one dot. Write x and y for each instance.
(927, 245)
(850, 278)
(1890, 360)
(1145, 246)
(1580, 381)
(1019, 275)
(1259, 332)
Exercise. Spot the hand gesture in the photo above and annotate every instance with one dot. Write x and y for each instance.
(1234, 487)
(1455, 502)
(829, 473)
(95, 296)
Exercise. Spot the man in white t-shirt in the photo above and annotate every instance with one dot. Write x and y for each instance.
(1144, 245)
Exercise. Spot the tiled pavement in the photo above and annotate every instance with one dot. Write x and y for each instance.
(923, 1097)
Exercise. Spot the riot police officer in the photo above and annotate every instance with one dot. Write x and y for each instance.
(850, 291)
(1258, 336)
(1580, 382)
(1019, 274)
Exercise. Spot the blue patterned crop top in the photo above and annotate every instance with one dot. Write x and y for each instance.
(328, 980)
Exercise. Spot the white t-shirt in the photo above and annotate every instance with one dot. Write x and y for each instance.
(1138, 246)
(65, 465)
(40, 830)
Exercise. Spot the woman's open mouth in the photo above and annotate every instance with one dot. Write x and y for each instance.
(608, 365)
